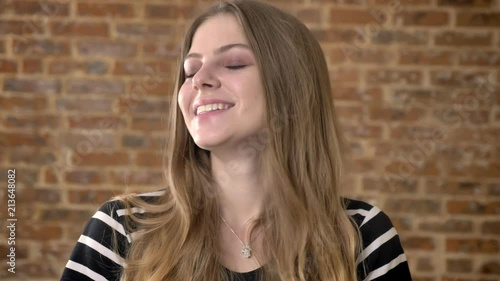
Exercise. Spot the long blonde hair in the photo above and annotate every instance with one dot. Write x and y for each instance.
(310, 237)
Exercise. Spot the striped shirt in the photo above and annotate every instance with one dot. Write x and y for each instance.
(93, 258)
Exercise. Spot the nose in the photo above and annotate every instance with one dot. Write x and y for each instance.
(205, 78)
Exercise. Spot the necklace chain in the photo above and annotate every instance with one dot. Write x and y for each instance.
(246, 251)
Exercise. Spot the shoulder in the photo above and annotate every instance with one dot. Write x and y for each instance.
(367, 216)
(102, 247)
(382, 256)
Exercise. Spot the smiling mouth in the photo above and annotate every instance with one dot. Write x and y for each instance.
(212, 107)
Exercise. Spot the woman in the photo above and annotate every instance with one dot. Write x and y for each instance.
(253, 166)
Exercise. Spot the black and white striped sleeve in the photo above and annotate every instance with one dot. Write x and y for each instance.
(382, 258)
(96, 256)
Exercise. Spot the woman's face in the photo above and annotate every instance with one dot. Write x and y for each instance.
(222, 98)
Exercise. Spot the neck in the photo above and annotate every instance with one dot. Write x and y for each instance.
(239, 188)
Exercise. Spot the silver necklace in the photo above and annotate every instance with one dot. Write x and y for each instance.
(246, 251)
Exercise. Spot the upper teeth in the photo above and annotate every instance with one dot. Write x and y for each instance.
(210, 107)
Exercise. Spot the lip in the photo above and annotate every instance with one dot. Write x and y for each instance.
(201, 102)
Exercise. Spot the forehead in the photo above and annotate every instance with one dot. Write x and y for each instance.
(217, 31)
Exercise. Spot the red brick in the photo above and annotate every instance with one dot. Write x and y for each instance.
(417, 132)
(104, 159)
(141, 68)
(58, 215)
(466, 3)
(362, 165)
(8, 66)
(350, 114)
(490, 227)
(13, 104)
(393, 76)
(22, 139)
(32, 122)
(426, 264)
(42, 8)
(466, 98)
(403, 3)
(458, 78)
(144, 106)
(464, 134)
(334, 35)
(427, 57)
(481, 58)
(340, 76)
(459, 39)
(149, 159)
(150, 87)
(425, 18)
(413, 97)
(475, 19)
(413, 206)
(459, 265)
(351, 16)
(41, 47)
(490, 170)
(149, 123)
(141, 31)
(94, 86)
(165, 12)
(47, 196)
(469, 207)
(32, 66)
(356, 94)
(474, 117)
(490, 267)
(483, 246)
(90, 196)
(85, 177)
(21, 28)
(409, 167)
(418, 242)
(84, 105)
(51, 175)
(161, 49)
(401, 37)
(103, 123)
(138, 177)
(363, 131)
(43, 86)
(140, 141)
(40, 232)
(371, 56)
(452, 187)
(447, 226)
(377, 113)
(310, 15)
(89, 141)
(31, 157)
(71, 67)
(113, 49)
(79, 29)
(408, 186)
(393, 150)
(115, 10)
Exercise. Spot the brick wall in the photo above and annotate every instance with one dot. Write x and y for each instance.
(85, 84)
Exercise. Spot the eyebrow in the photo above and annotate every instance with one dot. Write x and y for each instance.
(219, 50)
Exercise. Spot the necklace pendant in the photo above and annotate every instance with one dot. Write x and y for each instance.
(247, 252)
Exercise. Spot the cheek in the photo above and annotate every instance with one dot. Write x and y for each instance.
(184, 99)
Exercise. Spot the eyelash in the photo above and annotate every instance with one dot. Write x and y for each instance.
(232, 67)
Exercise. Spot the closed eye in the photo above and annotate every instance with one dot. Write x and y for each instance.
(235, 66)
